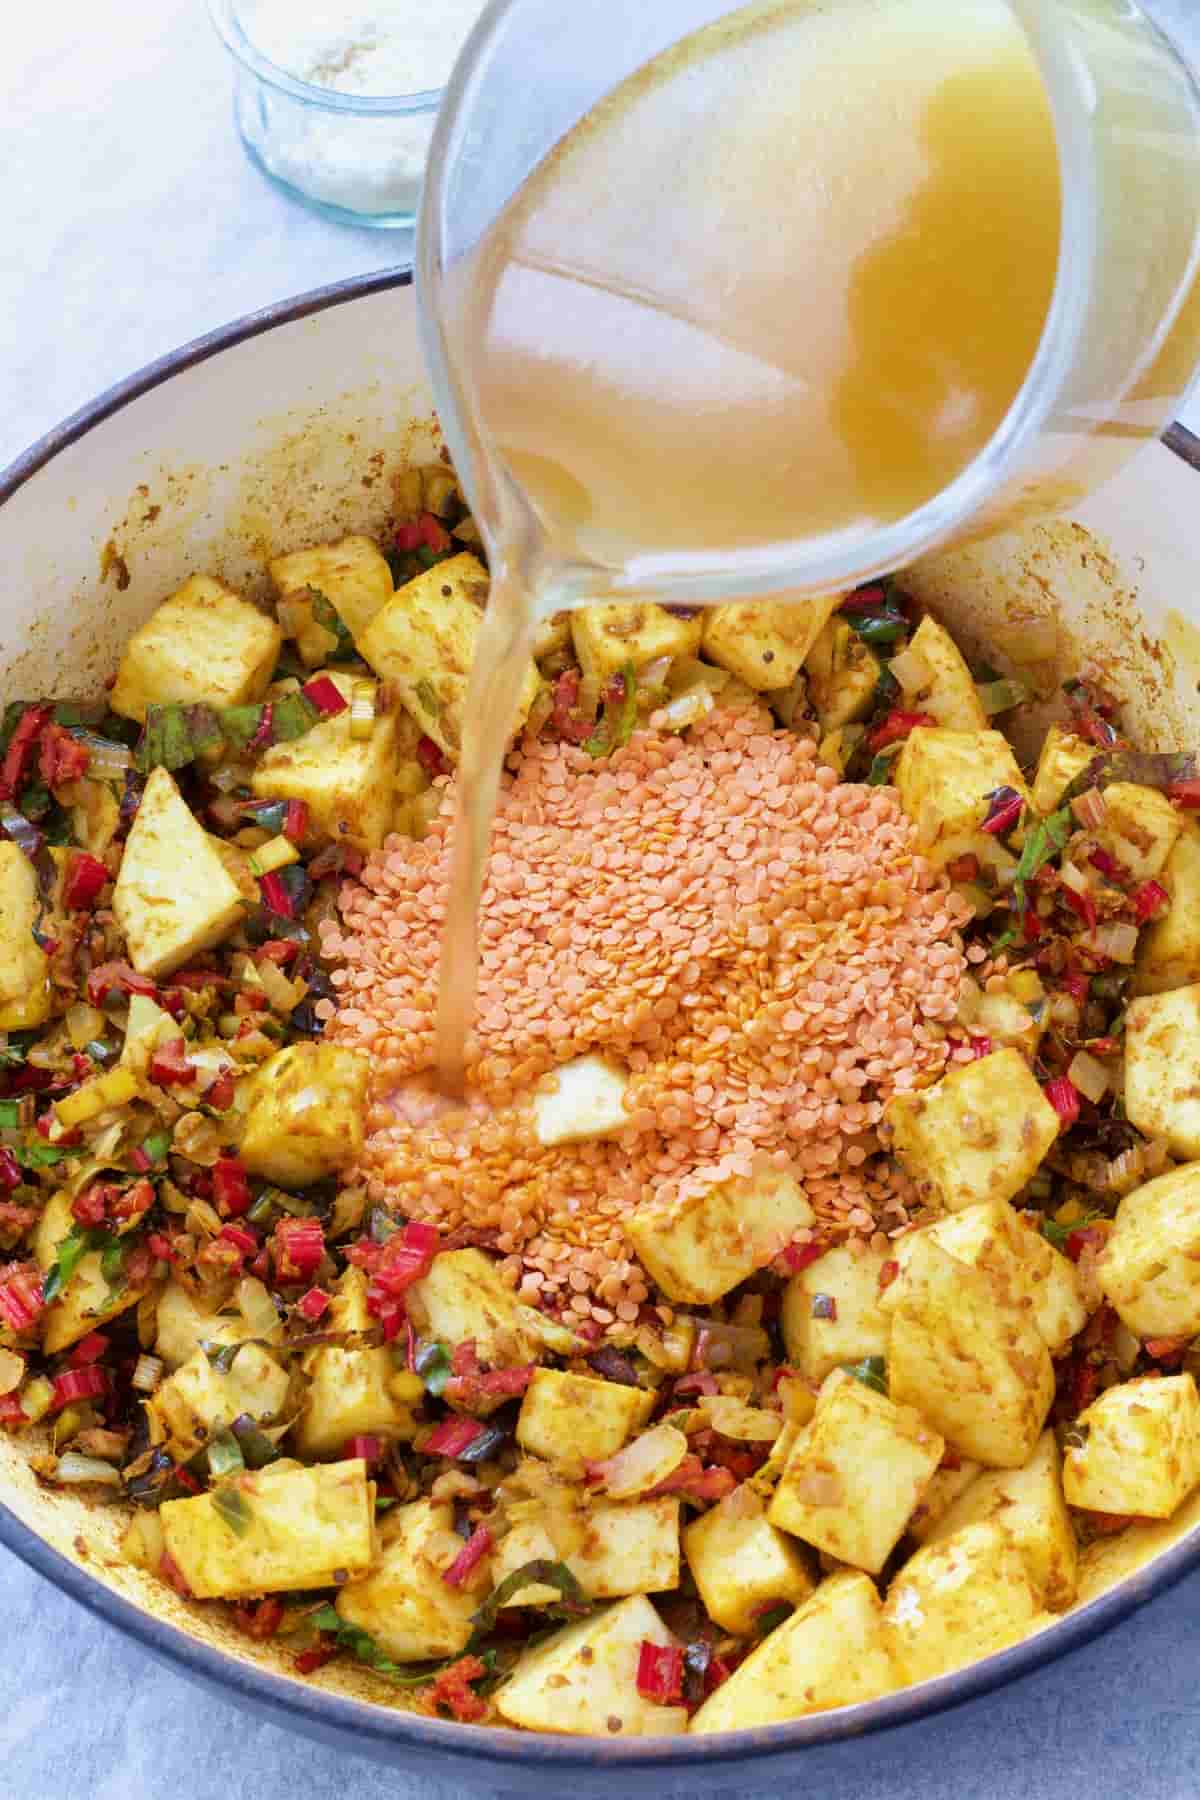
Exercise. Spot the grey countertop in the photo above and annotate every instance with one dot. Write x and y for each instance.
(132, 223)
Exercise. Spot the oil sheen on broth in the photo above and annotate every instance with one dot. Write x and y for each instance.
(782, 285)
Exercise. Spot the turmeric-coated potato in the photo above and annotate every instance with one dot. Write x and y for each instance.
(205, 643)
(304, 1117)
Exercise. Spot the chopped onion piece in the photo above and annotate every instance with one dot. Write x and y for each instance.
(687, 710)
(911, 671)
(1088, 1075)
(84, 1024)
(77, 1471)
(1074, 878)
(748, 1424)
(12, 1371)
(641, 1465)
(258, 1308)
(1117, 940)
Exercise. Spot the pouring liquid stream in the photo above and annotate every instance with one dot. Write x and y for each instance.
(779, 288)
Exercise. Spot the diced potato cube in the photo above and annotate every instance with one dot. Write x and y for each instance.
(351, 1393)
(181, 1326)
(698, 1247)
(205, 643)
(463, 1298)
(765, 642)
(616, 634)
(831, 1652)
(944, 779)
(1140, 828)
(583, 1680)
(950, 696)
(957, 1600)
(87, 1301)
(1025, 1270)
(272, 1530)
(1168, 952)
(423, 639)
(972, 1360)
(304, 1113)
(1063, 757)
(1162, 1068)
(842, 671)
(584, 1102)
(347, 783)
(855, 1474)
(1141, 1448)
(179, 891)
(353, 576)
(858, 1327)
(404, 1603)
(24, 968)
(742, 1565)
(199, 1401)
(630, 1547)
(1149, 1268)
(978, 1133)
(1028, 1505)
(573, 1419)
(945, 1486)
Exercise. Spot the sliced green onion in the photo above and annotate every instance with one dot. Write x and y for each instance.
(1001, 696)
(77, 1471)
(147, 1374)
(225, 1456)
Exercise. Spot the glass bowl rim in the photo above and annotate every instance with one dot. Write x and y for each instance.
(228, 26)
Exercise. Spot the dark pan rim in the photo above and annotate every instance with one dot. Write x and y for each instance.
(374, 1728)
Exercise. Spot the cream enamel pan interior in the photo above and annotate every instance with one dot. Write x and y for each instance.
(283, 430)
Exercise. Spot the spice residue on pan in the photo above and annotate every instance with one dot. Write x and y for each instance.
(755, 941)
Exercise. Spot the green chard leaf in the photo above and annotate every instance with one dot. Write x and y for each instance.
(292, 716)
(71, 1252)
(362, 1645)
(233, 1509)
(1045, 841)
(871, 1371)
(540, 1572)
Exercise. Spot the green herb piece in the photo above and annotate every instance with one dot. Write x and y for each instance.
(871, 1371)
(156, 1146)
(620, 717)
(256, 1447)
(1003, 941)
(10, 1115)
(883, 627)
(174, 735)
(220, 1355)
(225, 1456)
(362, 1645)
(240, 724)
(42, 1156)
(541, 1572)
(887, 691)
(428, 557)
(268, 815)
(112, 1262)
(292, 716)
(329, 619)
(433, 1366)
(264, 1211)
(35, 801)
(233, 1509)
(880, 772)
(1057, 1234)
(1001, 695)
(1045, 841)
(775, 1615)
(71, 1251)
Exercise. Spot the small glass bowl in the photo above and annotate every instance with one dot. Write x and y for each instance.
(357, 158)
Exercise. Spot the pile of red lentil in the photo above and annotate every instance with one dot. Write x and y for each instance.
(754, 940)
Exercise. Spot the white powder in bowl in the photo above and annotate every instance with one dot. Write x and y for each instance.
(369, 165)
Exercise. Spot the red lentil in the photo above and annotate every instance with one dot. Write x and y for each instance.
(756, 942)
